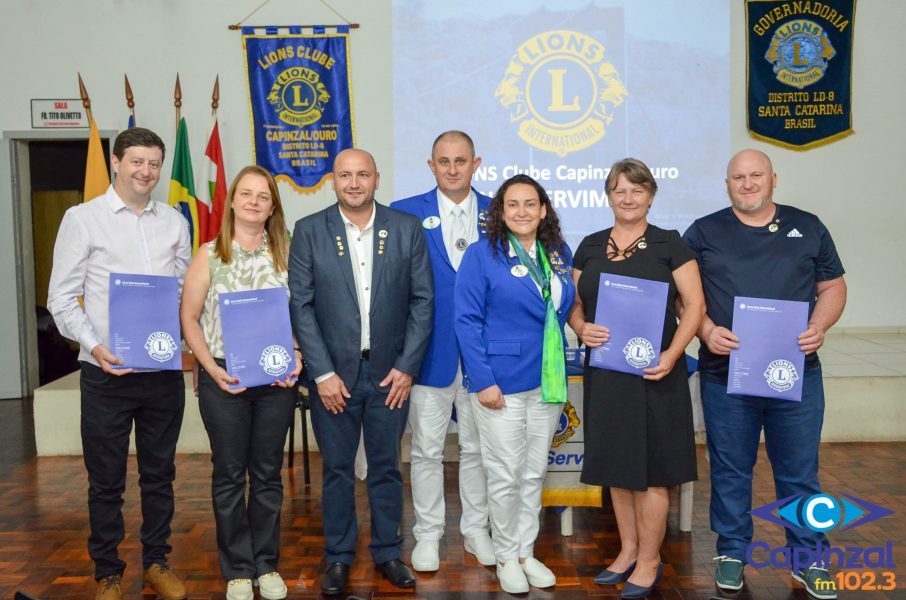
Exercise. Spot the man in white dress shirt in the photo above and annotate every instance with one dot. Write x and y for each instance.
(453, 215)
(123, 231)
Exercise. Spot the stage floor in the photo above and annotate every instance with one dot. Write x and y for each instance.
(44, 527)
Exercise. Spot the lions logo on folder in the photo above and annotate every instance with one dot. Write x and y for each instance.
(781, 375)
(799, 52)
(638, 352)
(298, 96)
(561, 91)
(160, 346)
(274, 360)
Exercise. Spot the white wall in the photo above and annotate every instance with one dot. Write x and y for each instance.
(854, 185)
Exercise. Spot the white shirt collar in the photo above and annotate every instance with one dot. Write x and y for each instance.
(446, 205)
(531, 251)
(349, 223)
(116, 203)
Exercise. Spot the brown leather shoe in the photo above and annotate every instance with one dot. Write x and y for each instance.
(110, 588)
(165, 582)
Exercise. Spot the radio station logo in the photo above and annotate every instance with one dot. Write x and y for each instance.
(820, 513)
(561, 91)
(566, 427)
(298, 96)
(799, 51)
(781, 375)
(638, 352)
(274, 360)
(161, 346)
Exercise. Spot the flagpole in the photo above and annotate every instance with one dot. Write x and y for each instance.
(130, 100)
(215, 97)
(86, 101)
(177, 99)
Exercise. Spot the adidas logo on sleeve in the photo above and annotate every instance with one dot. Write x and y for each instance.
(794, 233)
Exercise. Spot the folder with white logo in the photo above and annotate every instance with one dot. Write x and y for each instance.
(257, 336)
(768, 362)
(633, 310)
(144, 321)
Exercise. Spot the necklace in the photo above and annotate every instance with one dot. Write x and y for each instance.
(614, 251)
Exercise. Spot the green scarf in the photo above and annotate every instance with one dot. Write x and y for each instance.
(553, 363)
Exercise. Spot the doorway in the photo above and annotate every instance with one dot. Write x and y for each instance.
(48, 179)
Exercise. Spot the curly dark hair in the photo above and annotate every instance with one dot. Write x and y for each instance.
(548, 230)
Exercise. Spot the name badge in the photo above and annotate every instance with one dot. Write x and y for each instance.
(431, 223)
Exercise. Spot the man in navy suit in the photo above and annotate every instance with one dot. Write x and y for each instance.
(361, 306)
(452, 215)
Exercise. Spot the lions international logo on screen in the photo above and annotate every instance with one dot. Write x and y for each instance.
(298, 96)
(799, 52)
(561, 91)
(274, 360)
(160, 346)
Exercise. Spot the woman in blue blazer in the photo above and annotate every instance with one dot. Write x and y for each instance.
(513, 294)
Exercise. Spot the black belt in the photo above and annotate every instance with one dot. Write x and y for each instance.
(366, 354)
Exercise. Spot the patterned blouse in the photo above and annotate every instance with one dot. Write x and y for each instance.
(249, 270)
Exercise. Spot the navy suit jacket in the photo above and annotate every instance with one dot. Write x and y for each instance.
(324, 306)
(499, 318)
(442, 358)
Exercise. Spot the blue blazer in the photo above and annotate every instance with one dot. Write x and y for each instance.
(499, 318)
(324, 307)
(442, 358)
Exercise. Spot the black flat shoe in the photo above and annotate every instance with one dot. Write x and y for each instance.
(397, 573)
(607, 577)
(333, 580)
(631, 590)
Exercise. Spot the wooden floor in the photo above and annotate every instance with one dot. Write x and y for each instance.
(44, 527)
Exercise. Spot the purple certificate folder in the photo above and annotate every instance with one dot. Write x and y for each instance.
(257, 336)
(768, 362)
(633, 310)
(144, 321)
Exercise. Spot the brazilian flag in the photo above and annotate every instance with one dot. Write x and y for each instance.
(182, 183)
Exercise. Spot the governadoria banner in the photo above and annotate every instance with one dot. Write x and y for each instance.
(799, 71)
(301, 105)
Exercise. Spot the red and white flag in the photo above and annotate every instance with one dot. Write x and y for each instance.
(212, 189)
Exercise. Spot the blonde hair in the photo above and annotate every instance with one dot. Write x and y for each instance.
(278, 237)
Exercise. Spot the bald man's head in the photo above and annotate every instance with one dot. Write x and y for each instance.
(751, 181)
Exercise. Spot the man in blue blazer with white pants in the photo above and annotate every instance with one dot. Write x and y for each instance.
(361, 297)
(452, 215)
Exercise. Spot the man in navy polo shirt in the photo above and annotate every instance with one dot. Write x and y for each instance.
(765, 250)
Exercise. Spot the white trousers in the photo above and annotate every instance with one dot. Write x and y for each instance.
(515, 441)
(430, 409)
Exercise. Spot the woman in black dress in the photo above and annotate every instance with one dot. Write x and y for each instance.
(638, 430)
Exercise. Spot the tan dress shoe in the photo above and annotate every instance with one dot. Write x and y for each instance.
(110, 588)
(165, 582)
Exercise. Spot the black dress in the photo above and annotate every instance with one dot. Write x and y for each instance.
(638, 433)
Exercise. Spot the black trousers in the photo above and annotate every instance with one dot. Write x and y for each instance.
(247, 432)
(110, 405)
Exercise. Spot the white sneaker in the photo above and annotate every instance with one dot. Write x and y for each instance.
(271, 586)
(240, 589)
(483, 549)
(425, 555)
(512, 579)
(537, 574)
